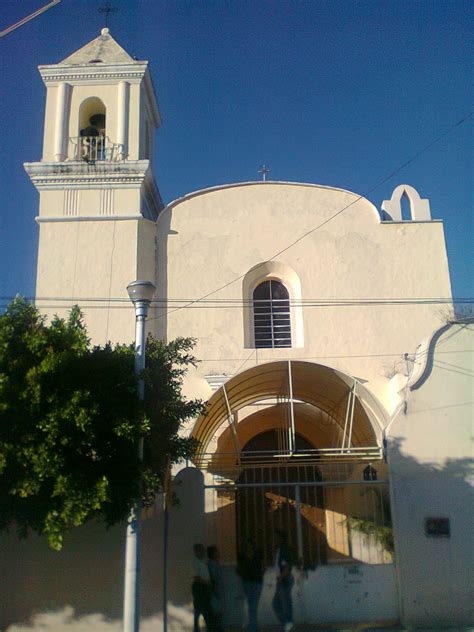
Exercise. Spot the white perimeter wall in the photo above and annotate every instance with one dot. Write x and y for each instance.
(430, 460)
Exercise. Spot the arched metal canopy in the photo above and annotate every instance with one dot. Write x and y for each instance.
(316, 384)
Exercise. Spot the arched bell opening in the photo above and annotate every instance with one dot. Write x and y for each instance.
(92, 139)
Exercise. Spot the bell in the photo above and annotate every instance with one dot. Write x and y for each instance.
(89, 131)
(98, 120)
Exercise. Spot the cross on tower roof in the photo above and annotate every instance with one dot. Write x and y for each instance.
(107, 9)
(264, 170)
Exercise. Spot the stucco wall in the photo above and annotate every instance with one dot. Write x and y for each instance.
(430, 460)
(210, 238)
(88, 260)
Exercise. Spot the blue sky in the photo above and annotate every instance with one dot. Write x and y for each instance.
(337, 93)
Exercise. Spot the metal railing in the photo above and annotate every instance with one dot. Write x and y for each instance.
(97, 148)
(223, 461)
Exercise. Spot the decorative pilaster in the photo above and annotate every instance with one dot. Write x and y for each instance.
(122, 116)
(62, 107)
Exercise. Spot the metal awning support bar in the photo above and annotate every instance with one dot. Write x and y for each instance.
(292, 429)
(230, 420)
(351, 420)
(349, 416)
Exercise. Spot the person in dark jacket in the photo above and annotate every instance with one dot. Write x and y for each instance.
(215, 572)
(201, 589)
(251, 569)
(282, 602)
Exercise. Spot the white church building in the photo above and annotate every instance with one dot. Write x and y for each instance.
(339, 396)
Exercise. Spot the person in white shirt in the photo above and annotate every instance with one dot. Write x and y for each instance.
(201, 589)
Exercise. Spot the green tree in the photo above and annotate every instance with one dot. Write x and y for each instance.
(70, 421)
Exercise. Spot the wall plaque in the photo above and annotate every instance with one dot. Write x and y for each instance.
(437, 527)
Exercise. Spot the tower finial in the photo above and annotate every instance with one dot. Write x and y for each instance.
(107, 9)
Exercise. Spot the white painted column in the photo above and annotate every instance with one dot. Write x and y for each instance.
(62, 107)
(122, 116)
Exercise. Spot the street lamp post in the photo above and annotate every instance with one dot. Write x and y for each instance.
(140, 293)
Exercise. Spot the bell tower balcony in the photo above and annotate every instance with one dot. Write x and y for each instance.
(91, 149)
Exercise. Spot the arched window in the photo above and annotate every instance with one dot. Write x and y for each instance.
(271, 315)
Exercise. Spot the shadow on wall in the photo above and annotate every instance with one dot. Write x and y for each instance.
(163, 231)
(81, 587)
(179, 620)
(435, 571)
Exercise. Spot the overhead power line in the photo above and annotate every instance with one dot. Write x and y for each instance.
(223, 304)
(28, 18)
(242, 302)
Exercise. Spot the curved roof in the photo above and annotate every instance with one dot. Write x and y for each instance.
(316, 384)
(235, 185)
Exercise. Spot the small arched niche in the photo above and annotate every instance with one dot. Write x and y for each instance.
(286, 276)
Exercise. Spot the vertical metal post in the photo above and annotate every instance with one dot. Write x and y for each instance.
(299, 525)
(131, 610)
(140, 293)
(292, 429)
(165, 563)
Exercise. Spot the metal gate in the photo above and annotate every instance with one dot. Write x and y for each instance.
(331, 514)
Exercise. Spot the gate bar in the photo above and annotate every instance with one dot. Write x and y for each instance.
(292, 411)
(231, 486)
(299, 526)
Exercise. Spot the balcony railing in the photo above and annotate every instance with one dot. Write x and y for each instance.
(97, 148)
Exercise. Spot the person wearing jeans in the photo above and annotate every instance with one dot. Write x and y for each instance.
(282, 602)
(250, 568)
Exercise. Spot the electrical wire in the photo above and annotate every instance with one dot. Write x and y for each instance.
(23, 21)
(240, 303)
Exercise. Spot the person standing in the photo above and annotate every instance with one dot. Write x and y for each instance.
(282, 602)
(201, 589)
(251, 569)
(215, 572)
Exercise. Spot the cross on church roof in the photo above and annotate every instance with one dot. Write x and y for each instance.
(107, 9)
(264, 170)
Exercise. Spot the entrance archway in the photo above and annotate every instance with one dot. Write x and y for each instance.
(298, 446)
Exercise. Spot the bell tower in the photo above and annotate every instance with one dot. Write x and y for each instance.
(98, 198)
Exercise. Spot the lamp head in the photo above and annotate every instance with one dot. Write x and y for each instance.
(140, 291)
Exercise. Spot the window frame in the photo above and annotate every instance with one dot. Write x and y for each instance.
(268, 319)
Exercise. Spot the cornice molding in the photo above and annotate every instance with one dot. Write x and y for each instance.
(98, 74)
(90, 218)
(72, 174)
(129, 174)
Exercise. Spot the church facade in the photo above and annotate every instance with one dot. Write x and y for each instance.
(328, 417)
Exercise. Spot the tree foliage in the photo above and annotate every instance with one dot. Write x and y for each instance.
(71, 419)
